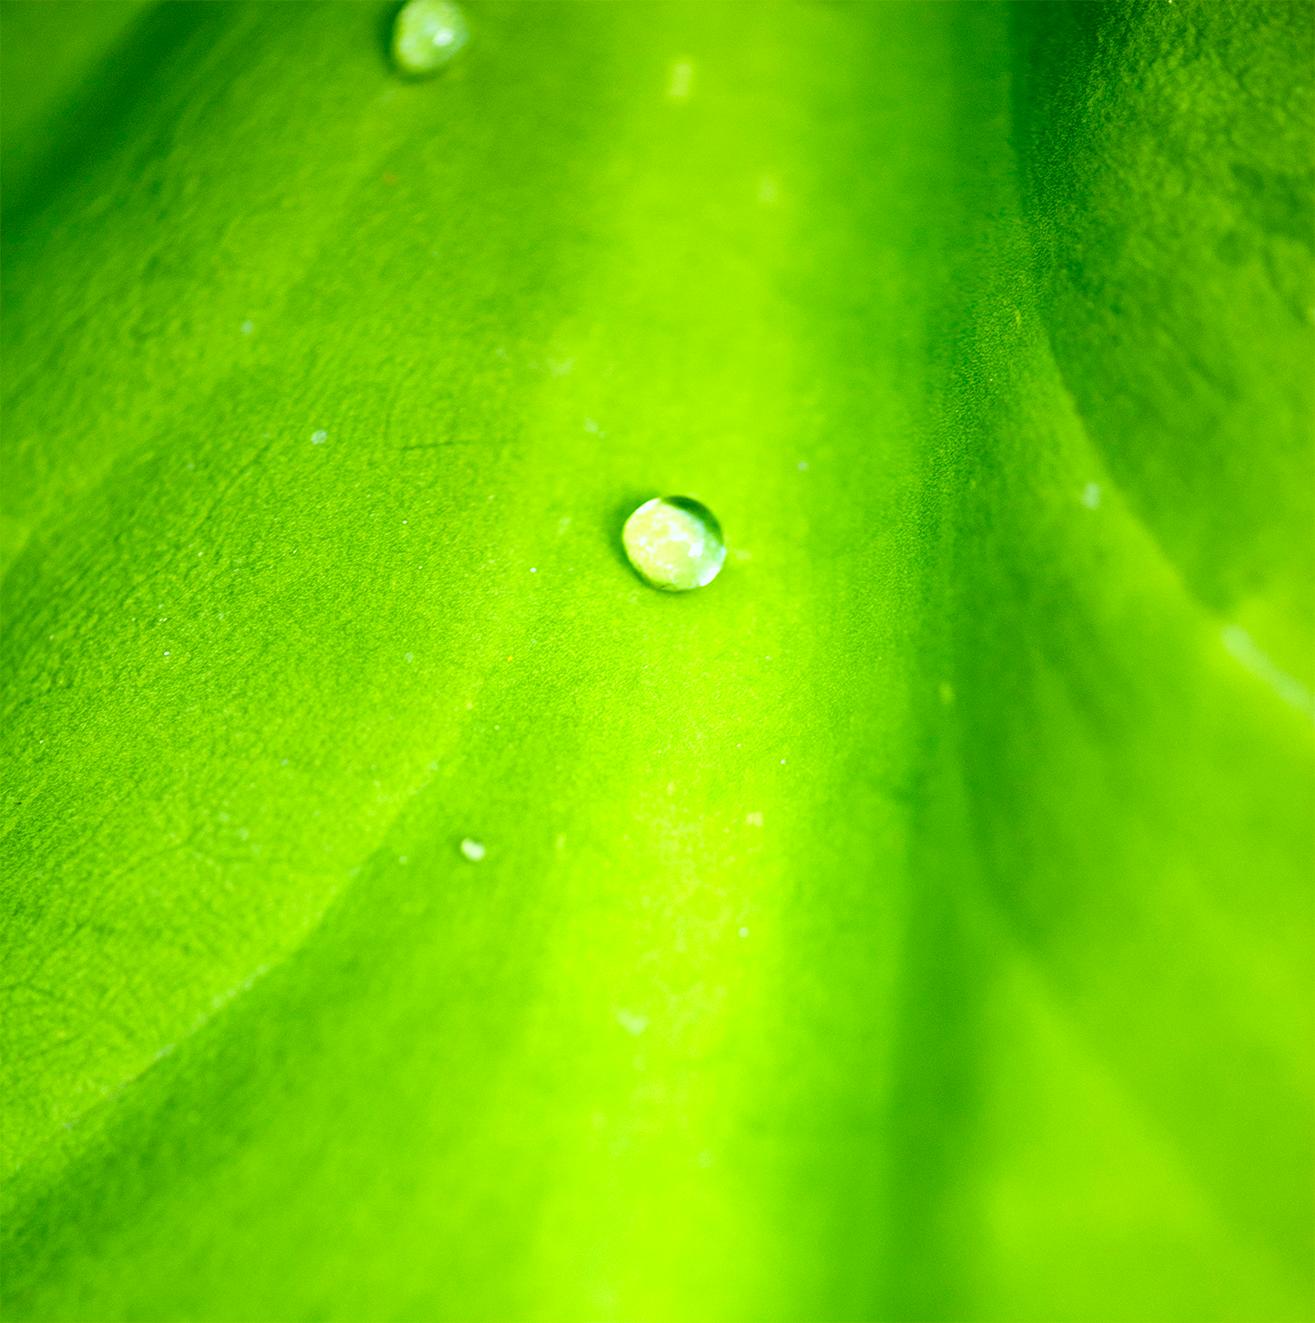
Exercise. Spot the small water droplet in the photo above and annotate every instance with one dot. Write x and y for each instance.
(1091, 496)
(247, 327)
(427, 36)
(680, 80)
(675, 543)
(631, 1021)
(319, 438)
(472, 849)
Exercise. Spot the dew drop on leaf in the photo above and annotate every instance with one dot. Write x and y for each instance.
(472, 849)
(428, 35)
(675, 543)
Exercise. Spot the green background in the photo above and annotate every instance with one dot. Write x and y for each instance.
(915, 924)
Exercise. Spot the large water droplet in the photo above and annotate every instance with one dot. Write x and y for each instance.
(675, 543)
(427, 35)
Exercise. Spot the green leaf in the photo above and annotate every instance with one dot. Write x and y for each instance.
(914, 924)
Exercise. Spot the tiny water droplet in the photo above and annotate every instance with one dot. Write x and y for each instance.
(427, 36)
(472, 849)
(319, 438)
(675, 543)
(631, 1021)
(680, 80)
(1091, 496)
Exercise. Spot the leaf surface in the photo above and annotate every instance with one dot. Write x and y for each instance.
(916, 923)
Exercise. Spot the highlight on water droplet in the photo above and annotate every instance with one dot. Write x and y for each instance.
(472, 849)
(675, 543)
(427, 36)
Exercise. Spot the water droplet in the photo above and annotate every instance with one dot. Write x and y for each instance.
(428, 35)
(1091, 496)
(680, 80)
(631, 1021)
(472, 849)
(674, 543)
(319, 438)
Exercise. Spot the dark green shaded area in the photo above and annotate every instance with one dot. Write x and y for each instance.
(916, 923)
(1168, 154)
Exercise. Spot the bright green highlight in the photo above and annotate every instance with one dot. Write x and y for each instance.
(674, 543)
(916, 925)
